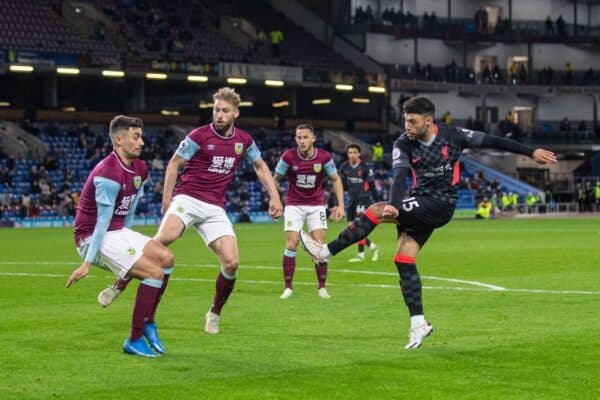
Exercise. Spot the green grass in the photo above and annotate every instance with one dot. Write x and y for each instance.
(487, 344)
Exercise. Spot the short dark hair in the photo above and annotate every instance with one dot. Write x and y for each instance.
(306, 126)
(353, 146)
(123, 123)
(419, 105)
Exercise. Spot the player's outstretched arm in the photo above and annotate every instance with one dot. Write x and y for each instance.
(79, 273)
(175, 164)
(264, 176)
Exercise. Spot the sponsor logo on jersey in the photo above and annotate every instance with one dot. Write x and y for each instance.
(444, 152)
(239, 147)
(137, 181)
(317, 168)
(416, 159)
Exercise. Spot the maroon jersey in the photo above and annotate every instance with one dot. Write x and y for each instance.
(305, 176)
(211, 162)
(110, 181)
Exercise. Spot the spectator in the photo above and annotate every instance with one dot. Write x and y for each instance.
(597, 194)
(276, 39)
(484, 209)
(568, 71)
(377, 150)
(565, 125)
(157, 163)
(523, 78)
(549, 26)
(447, 118)
(561, 27)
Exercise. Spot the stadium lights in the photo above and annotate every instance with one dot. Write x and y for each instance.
(246, 104)
(361, 100)
(280, 104)
(156, 75)
(376, 89)
(205, 105)
(274, 83)
(169, 113)
(4, 104)
(113, 74)
(21, 68)
(69, 109)
(237, 81)
(321, 101)
(67, 71)
(344, 87)
(197, 78)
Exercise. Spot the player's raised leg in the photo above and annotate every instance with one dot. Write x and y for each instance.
(355, 231)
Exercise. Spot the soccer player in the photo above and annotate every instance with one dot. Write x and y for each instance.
(357, 178)
(431, 151)
(103, 236)
(306, 167)
(210, 155)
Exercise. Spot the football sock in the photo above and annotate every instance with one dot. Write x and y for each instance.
(167, 275)
(121, 283)
(372, 246)
(144, 304)
(361, 245)
(410, 283)
(223, 288)
(289, 266)
(321, 270)
(355, 231)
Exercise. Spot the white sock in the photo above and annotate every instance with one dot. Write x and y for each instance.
(372, 246)
(417, 320)
(361, 254)
(325, 253)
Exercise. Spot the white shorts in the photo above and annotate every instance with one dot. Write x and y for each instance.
(210, 221)
(295, 216)
(119, 251)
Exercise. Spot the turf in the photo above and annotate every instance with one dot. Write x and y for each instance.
(515, 305)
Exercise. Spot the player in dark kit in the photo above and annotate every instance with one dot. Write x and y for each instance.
(357, 178)
(431, 151)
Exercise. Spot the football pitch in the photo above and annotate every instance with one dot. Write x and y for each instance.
(515, 306)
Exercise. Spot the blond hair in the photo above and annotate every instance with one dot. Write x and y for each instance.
(229, 95)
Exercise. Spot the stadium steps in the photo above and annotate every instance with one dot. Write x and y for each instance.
(508, 183)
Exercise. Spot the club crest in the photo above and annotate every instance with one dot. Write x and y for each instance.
(239, 147)
(137, 181)
(317, 167)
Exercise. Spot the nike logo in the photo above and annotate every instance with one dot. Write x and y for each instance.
(416, 160)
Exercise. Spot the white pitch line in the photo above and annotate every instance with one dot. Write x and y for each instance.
(360, 285)
(271, 268)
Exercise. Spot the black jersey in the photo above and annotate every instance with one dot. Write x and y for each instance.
(358, 181)
(435, 166)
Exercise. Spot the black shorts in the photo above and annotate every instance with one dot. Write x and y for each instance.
(357, 208)
(420, 215)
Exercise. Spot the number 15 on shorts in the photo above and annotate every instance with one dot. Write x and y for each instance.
(409, 204)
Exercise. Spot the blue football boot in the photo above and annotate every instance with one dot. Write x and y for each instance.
(151, 333)
(138, 348)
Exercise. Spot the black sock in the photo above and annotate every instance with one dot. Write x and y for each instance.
(410, 283)
(355, 231)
